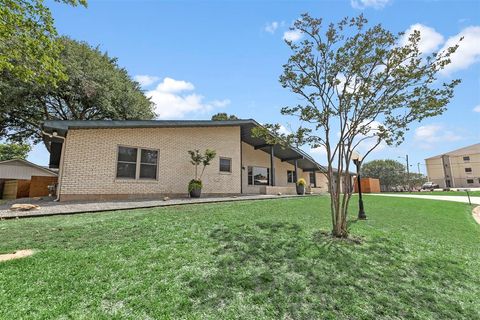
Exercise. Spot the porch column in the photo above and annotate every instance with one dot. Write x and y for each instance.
(295, 163)
(272, 166)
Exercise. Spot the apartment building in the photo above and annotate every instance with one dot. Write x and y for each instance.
(456, 169)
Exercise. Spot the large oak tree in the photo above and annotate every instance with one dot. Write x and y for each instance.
(96, 88)
(28, 47)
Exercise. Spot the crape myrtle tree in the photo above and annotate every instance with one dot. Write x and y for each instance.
(96, 88)
(359, 86)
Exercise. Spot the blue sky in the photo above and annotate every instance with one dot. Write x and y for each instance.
(197, 58)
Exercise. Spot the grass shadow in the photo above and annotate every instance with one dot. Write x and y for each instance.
(303, 276)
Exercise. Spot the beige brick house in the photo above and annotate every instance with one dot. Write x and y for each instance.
(456, 169)
(149, 159)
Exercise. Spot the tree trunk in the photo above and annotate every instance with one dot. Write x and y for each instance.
(338, 211)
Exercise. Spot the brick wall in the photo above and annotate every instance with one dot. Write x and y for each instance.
(90, 158)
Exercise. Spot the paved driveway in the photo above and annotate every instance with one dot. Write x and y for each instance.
(474, 200)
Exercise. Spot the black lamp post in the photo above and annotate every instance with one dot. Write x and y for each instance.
(358, 162)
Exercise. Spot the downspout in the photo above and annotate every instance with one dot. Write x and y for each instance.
(60, 167)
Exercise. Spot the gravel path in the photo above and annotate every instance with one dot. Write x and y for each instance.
(55, 208)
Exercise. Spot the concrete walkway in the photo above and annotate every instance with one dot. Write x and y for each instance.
(56, 208)
(464, 199)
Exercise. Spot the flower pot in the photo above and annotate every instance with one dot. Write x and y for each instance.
(195, 193)
(300, 189)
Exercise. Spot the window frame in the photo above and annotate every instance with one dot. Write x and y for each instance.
(466, 158)
(470, 181)
(138, 164)
(470, 170)
(220, 165)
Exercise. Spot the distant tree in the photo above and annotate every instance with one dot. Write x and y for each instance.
(13, 151)
(223, 116)
(391, 173)
(357, 82)
(96, 89)
(28, 50)
(416, 180)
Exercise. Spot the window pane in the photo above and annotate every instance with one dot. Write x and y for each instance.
(225, 165)
(126, 170)
(260, 176)
(127, 154)
(290, 176)
(250, 175)
(148, 171)
(149, 156)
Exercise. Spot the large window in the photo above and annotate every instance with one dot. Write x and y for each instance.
(137, 163)
(468, 170)
(466, 158)
(291, 176)
(470, 181)
(258, 176)
(225, 164)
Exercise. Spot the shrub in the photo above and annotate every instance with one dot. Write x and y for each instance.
(194, 184)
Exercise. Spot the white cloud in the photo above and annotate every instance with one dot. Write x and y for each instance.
(468, 52)
(145, 80)
(430, 40)
(271, 27)
(430, 134)
(220, 103)
(362, 4)
(284, 130)
(172, 85)
(172, 102)
(292, 35)
(477, 108)
(319, 150)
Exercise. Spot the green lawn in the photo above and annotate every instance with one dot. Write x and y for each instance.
(266, 259)
(443, 193)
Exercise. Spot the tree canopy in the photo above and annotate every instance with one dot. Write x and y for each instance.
(359, 86)
(391, 173)
(96, 88)
(223, 116)
(28, 50)
(13, 151)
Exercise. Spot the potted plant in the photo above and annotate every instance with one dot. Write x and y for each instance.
(301, 184)
(197, 159)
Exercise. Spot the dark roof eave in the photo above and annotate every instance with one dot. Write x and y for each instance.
(62, 127)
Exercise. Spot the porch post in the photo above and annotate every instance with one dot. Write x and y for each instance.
(272, 167)
(296, 170)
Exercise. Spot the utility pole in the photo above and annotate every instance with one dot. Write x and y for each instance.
(408, 173)
(418, 166)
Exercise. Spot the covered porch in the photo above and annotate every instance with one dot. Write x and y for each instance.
(273, 169)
